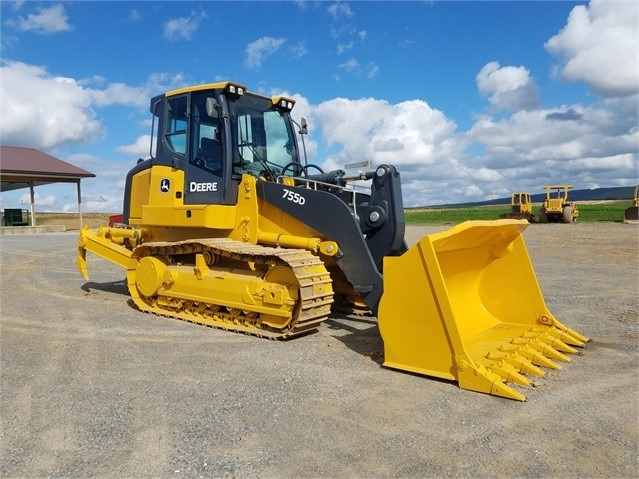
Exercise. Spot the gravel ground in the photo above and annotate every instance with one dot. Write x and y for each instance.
(91, 387)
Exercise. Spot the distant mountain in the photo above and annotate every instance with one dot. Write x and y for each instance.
(598, 194)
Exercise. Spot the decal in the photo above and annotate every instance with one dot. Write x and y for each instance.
(165, 185)
(193, 186)
(294, 197)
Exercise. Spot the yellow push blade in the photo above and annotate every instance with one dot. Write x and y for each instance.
(465, 305)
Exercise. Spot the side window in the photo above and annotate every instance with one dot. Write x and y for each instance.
(206, 136)
(209, 152)
(175, 128)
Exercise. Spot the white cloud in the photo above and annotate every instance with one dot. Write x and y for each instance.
(40, 201)
(350, 66)
(134, 15)
(372, 70)
(161, 82)
(599, 45)
(339, 10)
(98, 203)
(569, 144)
(343, 47)
(261, 49)
(508, 88)
(46, 21)
(42, 111)
(183, 28)
(299, 50)
(104, 193)
(139, 149)
(83, 160)
(120, 94)
(584, 146)
(409, 133)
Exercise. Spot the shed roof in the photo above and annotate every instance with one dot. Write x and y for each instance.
(19, 166)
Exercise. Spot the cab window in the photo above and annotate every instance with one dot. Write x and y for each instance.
(175, 128)
(206, 137)
(264, 136)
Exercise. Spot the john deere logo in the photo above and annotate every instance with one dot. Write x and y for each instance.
(165, 185)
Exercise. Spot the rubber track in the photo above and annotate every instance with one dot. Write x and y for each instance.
(313, 309)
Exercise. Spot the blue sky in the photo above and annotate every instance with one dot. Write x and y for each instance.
(470, 100)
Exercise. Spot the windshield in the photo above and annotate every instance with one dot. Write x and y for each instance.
(263, 138)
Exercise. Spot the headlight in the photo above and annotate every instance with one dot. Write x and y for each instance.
(235, 89)
(283, 103)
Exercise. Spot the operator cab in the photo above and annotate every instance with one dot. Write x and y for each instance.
(217, 132)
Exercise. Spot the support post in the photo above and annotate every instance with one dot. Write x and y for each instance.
(33, 218)
(80, 204)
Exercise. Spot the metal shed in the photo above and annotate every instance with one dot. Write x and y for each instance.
(28, 168)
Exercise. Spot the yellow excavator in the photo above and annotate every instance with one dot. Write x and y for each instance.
(227, 225)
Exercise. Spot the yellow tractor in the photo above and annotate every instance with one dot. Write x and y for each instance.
(556, 208)
(631, 215)
(520, 208)
(228, 226)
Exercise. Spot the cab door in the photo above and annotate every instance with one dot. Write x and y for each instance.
(204, 178)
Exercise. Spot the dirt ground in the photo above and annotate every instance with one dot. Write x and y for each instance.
(91, 387)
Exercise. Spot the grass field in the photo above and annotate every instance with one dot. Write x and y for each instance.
(588, 212)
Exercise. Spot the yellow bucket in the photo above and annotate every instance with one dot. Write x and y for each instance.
(465, 305)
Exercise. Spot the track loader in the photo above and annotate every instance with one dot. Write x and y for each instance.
(227, 225)
(520, 208)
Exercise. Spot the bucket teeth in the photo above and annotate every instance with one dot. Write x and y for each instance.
(572, 337)
(503, 390)
(564, 336)
(522, 364)
(551, 341)
(482, 379)
(532, 355)
(543, 348)
(578, 339)
(510, 374)
(526, 352)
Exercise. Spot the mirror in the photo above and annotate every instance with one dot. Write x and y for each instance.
(211, 107)
(303, 127)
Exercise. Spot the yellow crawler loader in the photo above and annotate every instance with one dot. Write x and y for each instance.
(520, 207)
(631, 214)
(227, 225)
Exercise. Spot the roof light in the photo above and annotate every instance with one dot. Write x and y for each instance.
(283, 103)
(235, 89)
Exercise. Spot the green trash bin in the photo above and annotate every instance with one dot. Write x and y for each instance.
(15, 217)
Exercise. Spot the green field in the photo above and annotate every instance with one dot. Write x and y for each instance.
(589, 212)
